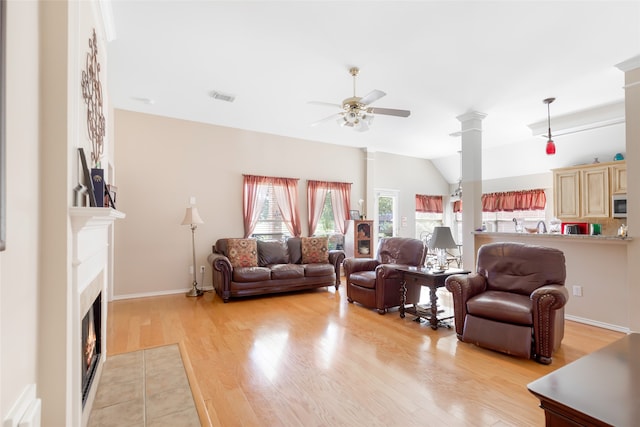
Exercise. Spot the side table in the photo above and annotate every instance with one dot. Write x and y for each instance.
(432, 279)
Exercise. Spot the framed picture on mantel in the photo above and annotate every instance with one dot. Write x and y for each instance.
(87, 178)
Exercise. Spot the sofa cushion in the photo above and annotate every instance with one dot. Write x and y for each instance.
(287, 271)
(251, 274)
(295, 251)
(315, 250)
(272, 252)
(242, 252)
(318, 270)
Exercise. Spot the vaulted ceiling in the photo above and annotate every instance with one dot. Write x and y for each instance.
(439, 59)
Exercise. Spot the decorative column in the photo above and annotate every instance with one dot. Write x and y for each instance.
(631, 69)
(471, 173)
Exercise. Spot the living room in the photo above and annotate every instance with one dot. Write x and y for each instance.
(159, 164)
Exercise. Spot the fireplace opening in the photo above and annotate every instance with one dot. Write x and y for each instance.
(91, 345)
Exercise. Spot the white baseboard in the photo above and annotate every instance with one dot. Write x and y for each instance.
(597, 324)
(159, 293)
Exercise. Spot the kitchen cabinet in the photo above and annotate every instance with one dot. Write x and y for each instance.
(618, 178)
(566, 193)
(585, 191)
(594, 192)
(358, 239)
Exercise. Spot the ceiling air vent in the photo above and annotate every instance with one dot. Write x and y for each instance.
(222, 96)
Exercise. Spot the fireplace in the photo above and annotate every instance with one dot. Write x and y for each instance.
(92, 262)
(91, 345)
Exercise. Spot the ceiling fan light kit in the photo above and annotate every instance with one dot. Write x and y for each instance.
(356, 112)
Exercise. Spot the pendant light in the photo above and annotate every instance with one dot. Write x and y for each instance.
(551, 146)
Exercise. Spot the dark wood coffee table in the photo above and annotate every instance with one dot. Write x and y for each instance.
(600, 389)
(422, 276)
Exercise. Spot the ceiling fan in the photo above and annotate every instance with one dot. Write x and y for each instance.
(356, 112)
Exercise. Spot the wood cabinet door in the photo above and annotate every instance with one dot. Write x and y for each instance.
(566, 194)
(619, 179)
(595, 192)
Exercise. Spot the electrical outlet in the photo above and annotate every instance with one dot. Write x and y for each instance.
(202, 269)
(191, 269)
(577, 290)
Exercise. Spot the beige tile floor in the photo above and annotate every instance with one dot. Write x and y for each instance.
(144, 388)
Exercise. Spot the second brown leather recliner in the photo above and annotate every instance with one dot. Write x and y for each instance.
(375, 282)
(514, 302)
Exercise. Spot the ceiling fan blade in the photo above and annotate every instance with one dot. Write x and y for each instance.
(326, 119)
(372, 96)
(325, 104)
(389, 112)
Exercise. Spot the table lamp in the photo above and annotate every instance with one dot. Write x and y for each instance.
(441, 240)
(192, 219)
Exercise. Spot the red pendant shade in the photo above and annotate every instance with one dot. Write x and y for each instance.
(551, 147)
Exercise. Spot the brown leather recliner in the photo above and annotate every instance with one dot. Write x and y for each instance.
(375, 282)
(514, 302)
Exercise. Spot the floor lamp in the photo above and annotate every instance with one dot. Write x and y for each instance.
(192, 219)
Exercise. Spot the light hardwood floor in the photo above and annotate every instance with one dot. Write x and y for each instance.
(312, 359)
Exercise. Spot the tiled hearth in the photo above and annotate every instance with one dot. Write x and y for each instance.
(144, 388)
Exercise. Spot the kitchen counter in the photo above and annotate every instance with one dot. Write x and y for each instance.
(564, 237)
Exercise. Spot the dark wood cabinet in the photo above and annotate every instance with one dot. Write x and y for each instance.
(358, 239)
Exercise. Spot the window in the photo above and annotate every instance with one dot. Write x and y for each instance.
(503, 222)
(270, 225)
(386, 209)
(429, 214)
(327, 224)
(426, 221)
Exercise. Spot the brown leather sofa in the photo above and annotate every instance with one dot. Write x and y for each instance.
(514, 302)
(375, 282)
(279, 267)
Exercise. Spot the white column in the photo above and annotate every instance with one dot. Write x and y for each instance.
(471, 143)
(631, 70)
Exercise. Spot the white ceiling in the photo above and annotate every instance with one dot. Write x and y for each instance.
(439, 59)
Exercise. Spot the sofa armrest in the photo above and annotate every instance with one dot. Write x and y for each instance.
(463, 287)
(336, 257)
(222, 273)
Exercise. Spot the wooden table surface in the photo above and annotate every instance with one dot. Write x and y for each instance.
(602, 388)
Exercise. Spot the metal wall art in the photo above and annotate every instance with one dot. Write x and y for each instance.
(92, 94)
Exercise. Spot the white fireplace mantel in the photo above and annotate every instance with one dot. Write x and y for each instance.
(92, 272)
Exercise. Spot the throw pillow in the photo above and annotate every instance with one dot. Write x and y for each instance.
(315, 250)
(272, 252)
(242, 252)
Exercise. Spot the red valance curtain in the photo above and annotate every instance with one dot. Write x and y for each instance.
(457, 206)
(254, 194)
(340, 202)
(431, 204)
(514, 201)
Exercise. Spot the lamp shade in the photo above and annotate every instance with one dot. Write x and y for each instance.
(192, 217)
(442, 239)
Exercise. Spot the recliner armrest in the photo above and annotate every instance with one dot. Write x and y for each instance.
(549, 297)
(353, 265)
(463, 287)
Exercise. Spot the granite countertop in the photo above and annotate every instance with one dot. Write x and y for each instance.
(582, 237)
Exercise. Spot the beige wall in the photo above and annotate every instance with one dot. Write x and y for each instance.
(161, 162)
(18, 263)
